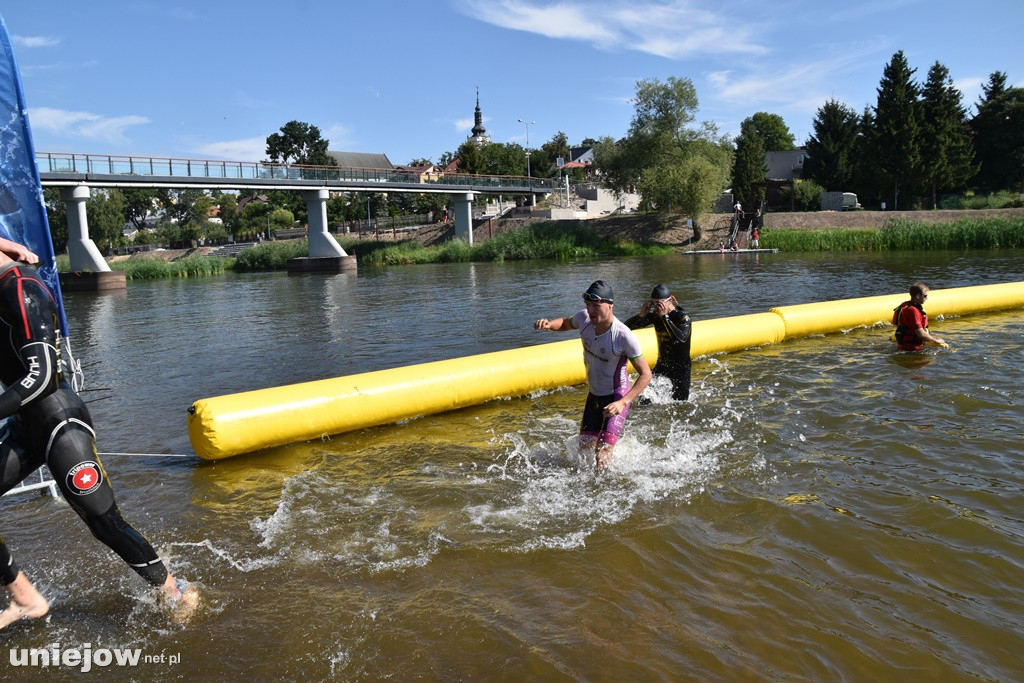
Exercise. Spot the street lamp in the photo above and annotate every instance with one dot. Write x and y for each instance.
(527, 124)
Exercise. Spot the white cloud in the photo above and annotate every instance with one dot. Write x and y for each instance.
(971, 89)
(463, 125)
(246, 149)
(338, 136)
(255, 148)
(796, 84)
(561, 20)
(673, 30)
(34, 41)
(80, 124)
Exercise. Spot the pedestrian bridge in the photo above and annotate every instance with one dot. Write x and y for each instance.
(76, 174)
(100, 170)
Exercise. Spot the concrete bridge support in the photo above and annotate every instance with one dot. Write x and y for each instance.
(464, 216)
(82, 251)
(321, 242)
(89, 270)
(325, 254)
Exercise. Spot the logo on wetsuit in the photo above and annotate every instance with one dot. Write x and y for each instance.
(84, 478)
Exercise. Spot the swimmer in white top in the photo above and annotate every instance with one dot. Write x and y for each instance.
(607, 346)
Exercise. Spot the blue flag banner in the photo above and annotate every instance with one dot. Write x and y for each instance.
(22, 211)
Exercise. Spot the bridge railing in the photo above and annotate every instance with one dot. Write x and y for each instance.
(104, 164)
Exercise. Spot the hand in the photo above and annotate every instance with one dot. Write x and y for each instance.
(542, 324)
(614, 408)
(18, 252)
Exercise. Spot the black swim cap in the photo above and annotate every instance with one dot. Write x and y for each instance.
(660, 292)
(599, 291)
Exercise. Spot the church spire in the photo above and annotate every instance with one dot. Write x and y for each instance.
(479, 135)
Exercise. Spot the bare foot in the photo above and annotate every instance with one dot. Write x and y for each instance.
(26, 602)
(181, 601)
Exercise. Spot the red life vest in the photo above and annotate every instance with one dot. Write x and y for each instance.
(904, 335)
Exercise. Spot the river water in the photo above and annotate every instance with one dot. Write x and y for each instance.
(819, 510)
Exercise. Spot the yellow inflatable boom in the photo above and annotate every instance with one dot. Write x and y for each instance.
(223, 426)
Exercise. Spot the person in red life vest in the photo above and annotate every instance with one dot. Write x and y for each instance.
(42, 420)
(912, 322)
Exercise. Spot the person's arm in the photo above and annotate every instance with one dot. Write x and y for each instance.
(554, 325)
(925, 336)
(638, 321)
(17, 252)
(912, 318)
(26, 308)
(678, 324)
(641, 365)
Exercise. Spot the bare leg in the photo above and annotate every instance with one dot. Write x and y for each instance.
(602, 451)
(604, 455)
(26, 602)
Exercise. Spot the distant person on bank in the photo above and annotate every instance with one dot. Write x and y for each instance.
(608, 348)
(672, 328)
(911, 321)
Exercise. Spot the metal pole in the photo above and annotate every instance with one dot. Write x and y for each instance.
(527, 124)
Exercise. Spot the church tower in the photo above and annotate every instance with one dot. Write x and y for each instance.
(479, 136)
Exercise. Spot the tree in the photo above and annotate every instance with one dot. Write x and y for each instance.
(543, 159)
(431, 202)
(298, 143)
(831, 148)
(998, 128)
(947, 154)
(339, 208)
(105, 214)
(255, 217)
(672, 163)
(57, 218)
(749, 169)
(280, 219)
(502, 159)
(773, 131)
(229, 215)
(469, 157)
(493, 159)
(139, 203)
(896, 134)
(190, 210)
(803, 196)
(865, 173)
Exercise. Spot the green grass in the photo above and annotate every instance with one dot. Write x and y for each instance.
(153, 269)
(270, 255)
(562, 240)
(903, 235)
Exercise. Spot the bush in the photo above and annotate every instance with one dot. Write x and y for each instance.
(561, 240)
(152, 268)
(270, 255)
(996, 200)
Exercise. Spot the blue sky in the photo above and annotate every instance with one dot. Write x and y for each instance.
(211, 80)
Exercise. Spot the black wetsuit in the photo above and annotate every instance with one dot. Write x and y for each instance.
(673, 332)
(50, 423)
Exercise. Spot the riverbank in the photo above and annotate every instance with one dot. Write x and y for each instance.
(716, 228)
(674, 231)
(669, 231)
